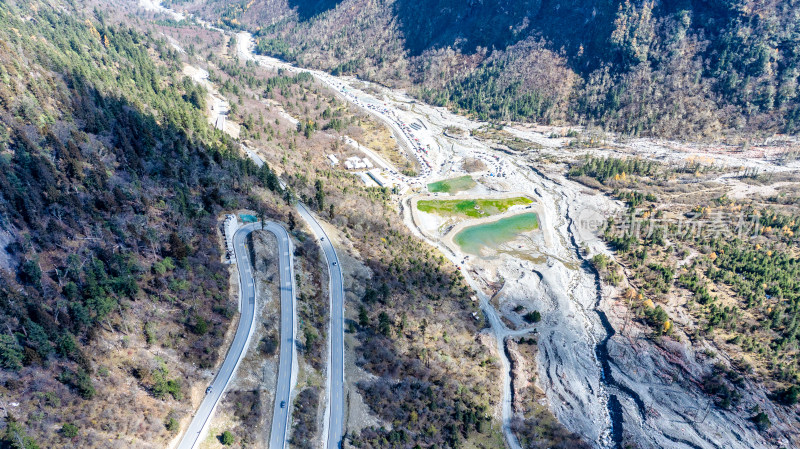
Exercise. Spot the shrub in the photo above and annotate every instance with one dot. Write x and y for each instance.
(159, 268)
(15, 437)
(789, 396)
(311, 337)
(227, 438)
(761, 421)
(269, 345)
(171, 424)
(600, 261)
(80, 381)
(656, 317)
(200, 326)
(532, 317)
(31, 273)
(168, 263)
(149, 333)
(174, 388)
(10, 353)
(163, 386)
(69, 430)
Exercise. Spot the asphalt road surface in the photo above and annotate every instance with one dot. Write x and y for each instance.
(202, 417)
(280, 413)
(335, 409)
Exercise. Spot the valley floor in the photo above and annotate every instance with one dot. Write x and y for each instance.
(604, 379)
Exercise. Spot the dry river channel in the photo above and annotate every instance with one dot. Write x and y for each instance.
(591, 391)
(598, 385)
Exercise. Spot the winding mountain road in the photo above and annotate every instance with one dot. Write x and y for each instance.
(334, 412)
(247, 303)
(278, 436)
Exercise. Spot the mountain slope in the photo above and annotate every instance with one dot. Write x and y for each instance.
(678, 68)
(112, 289)
(114, 302)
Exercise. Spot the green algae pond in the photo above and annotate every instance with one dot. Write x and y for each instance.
(473, 208)
(452, 185)
(494, 234)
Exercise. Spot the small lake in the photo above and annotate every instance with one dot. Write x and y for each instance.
(494, 234)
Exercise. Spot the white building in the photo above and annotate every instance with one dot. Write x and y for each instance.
(368, 181)
(378, 178)
(334, 160)
(355, 163)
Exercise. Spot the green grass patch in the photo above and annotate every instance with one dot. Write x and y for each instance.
(476, 208)
(452, 185)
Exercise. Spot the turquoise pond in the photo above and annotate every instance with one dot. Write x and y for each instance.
(493, 234)
(248, 218)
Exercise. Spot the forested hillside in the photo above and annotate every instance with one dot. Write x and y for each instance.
(675, 68)
(114, 302)
(111, 185)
